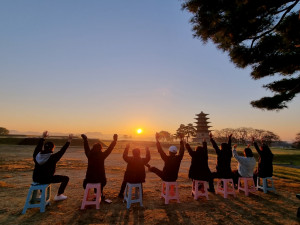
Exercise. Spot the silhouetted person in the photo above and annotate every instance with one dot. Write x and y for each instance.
(96, 170)
(224, 155)
(172, 162)
(246, 164)
(135, 170)
(199, 169)
(45, 165)
(265, 161)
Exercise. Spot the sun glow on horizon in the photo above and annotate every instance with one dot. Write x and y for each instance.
(139, 131)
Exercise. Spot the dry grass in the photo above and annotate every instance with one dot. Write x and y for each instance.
(15, 177)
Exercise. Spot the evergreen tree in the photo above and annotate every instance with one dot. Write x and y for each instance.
(260, 34)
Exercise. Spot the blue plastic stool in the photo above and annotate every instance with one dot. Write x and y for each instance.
(138, 195)
(264, 185)
(32, 199)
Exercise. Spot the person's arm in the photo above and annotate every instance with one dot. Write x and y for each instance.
(204, 144)
(159, 148)
(39, 146)
(181, 150)
(256, 146)
(125, 153)
(111, 146)
(86, 145)
(189, 149)
(148, 157)
(214, 144)
(57, 156)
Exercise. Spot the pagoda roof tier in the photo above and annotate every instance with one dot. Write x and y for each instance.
(202, 113)
(201, 122)
(201, 118)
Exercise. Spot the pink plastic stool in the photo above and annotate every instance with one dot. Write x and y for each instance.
(225, 190)
(202, 192)
(249, 185)
(167, 191)
(86, 201)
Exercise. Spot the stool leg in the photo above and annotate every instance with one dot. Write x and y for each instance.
(265, 185)
(141, 196)
(129, 198)
(86, 192)
(167, 194)
(27, 201)
(225, 186)
(43, 200)
(177, 194)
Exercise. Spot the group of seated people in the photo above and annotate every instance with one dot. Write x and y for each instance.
(45, 163)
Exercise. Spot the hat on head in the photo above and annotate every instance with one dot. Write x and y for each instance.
(173, 149)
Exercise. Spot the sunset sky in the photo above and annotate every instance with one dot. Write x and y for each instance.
(114, 66)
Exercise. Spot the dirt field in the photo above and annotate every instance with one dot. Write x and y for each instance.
(15, 178)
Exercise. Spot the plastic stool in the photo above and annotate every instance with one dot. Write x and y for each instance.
(138, 195)
(264, 185)
(31, 197)
(167, 191)
(249, 185)
(225, 189)
(195, 189)
(86, 201)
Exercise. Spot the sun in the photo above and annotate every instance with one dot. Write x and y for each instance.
(139, 131)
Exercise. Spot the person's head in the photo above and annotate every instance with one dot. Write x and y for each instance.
(199, 149)
(224, 146)
(49, 146)
(172, 150)
(136, 152)
(248, 152)
(97, 147)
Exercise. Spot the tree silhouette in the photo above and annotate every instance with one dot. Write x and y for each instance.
(260, 34)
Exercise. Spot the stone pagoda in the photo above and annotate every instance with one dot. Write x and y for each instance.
(202, 128)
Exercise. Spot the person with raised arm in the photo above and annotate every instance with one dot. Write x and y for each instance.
(45, 165)
(96, 170)
(199, 169)
(224, 155)
(135, 170)
(172, 161)
(265, 161)
(246, 164)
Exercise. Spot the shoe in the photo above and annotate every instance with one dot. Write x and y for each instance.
(60, 197)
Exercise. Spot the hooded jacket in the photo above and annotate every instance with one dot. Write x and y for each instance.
(245, 164)
(265, 161)
(45, 163)
(199, 169)
(135, 170)
(96, 171)
(172, 163)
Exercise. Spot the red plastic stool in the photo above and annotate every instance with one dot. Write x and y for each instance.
(97, 201)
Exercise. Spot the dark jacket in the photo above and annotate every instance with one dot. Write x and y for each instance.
(135, 171)
(96, 171)
(172, 163)
(199, 169)
(43, 173)
(223, 166)
(265, 161)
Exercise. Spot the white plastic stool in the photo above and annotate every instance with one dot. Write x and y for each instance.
(31, 197)
(224, 190)
(138, 194)
(264, 185)
(167, 191)
(86, 201)
(195, 189)
(249, 185)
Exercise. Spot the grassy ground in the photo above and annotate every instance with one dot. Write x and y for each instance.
(16, 167)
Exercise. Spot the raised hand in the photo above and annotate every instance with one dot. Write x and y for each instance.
(157, 136)
(70, 137)
(84, 137)
(45, 134)
(115, 137)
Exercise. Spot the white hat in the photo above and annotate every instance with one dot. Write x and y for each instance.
(173, 149)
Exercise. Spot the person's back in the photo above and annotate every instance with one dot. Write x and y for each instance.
(171, 162)
(265, 161)
(96, 170)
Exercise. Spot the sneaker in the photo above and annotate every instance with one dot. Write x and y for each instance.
(60, 197)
